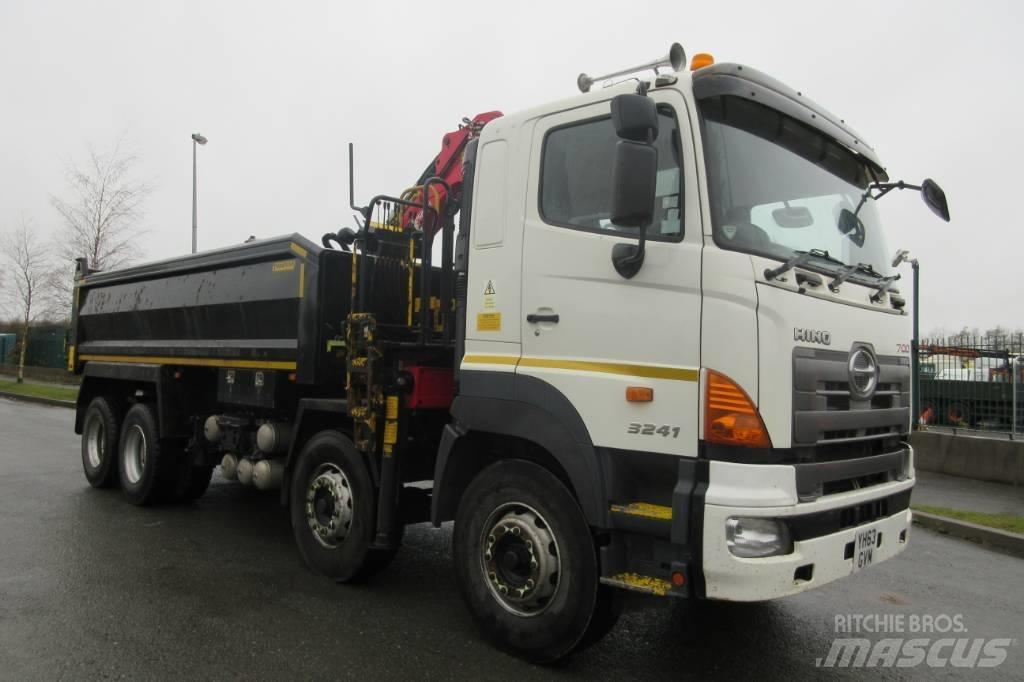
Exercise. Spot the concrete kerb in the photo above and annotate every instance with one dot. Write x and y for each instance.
(1005, 541)
(53, 402)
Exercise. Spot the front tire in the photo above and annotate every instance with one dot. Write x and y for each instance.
(526, 562)
(100, 433)
(333, 503)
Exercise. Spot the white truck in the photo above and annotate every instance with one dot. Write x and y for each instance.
(663, 353)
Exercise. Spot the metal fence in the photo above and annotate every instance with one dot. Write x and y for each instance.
(47, 347)
(972, 383)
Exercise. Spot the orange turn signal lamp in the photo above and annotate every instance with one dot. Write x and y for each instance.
(639, 394)
(700, 60)
(730, 417)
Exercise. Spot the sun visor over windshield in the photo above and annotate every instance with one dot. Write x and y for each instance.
(749, 84)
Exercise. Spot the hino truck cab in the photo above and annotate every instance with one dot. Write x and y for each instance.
(683, 286)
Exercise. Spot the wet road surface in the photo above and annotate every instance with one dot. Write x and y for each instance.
(91, 587)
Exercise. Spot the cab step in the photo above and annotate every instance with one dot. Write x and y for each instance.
(636, 582)
(642, 517)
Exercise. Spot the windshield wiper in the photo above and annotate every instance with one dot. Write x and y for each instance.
(799, 259)
(850, 270)
(883, 286)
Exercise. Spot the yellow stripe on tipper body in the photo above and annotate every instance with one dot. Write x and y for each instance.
(192, 362)
(623, 369)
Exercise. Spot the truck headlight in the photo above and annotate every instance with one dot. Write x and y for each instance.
(751, 538)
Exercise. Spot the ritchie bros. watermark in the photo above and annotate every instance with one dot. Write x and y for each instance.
(908, 640)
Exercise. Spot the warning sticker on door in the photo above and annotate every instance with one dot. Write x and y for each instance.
(488, 322)
(489, 294)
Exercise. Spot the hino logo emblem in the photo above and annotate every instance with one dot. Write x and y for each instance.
(812, 336)
(863, 369)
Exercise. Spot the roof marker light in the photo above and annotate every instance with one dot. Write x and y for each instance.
(700, 60)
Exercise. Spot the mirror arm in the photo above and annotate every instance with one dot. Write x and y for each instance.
(883, 188)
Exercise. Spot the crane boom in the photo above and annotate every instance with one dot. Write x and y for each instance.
(447, 166)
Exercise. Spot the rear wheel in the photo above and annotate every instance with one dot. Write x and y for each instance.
(333, 502)
(99, 443)
(146, 466)
(526, 562)
(190, 481)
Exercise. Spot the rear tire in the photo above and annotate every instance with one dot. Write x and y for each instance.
(526, 563)
(146, 467)
(333, 510)
(100, 434)
(198, 482)
(191, 481)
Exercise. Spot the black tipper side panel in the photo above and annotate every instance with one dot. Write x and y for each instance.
(262, 301)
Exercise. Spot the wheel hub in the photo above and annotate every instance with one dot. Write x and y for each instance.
(329, 505)
(520, 559)
(134, 454)
(94, 442)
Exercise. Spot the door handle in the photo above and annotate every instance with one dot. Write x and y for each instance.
(534, 318)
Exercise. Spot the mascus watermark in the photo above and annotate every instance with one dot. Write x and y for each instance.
(934, 640)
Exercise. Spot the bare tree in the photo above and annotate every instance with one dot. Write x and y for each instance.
(28, 266)
(101, 212)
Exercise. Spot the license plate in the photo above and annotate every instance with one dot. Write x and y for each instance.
(864, 546)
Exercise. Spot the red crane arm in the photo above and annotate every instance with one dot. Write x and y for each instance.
(447, 165)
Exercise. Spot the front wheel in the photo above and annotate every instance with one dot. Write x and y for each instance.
(332, 504)
(526, 562)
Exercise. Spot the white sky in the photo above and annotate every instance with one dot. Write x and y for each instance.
(280, 88)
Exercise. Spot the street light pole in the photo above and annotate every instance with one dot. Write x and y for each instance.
(196, 139)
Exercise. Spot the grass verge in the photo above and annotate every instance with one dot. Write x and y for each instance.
(1014, 524)
(39, 390)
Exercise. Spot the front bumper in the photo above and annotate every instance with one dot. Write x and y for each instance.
(736, 579)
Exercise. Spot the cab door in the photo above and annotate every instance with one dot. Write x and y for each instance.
(587, 331)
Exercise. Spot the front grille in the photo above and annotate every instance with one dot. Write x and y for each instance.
(826, 411)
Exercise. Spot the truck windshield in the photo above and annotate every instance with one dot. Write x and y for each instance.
(778, 186)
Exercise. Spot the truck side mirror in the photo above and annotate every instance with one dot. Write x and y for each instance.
(634, 176)
(935, 198)
(635, 118)
(634, 179)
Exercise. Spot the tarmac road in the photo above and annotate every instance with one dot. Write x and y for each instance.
(92, 587)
